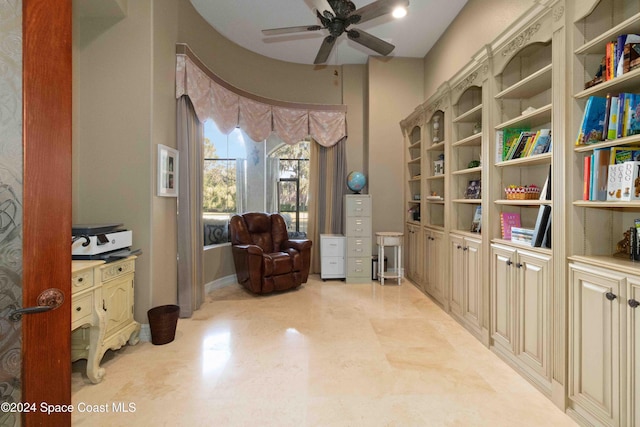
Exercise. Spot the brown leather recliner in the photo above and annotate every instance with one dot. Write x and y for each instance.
(265, 259)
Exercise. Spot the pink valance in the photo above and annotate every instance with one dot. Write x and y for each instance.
(230, 107)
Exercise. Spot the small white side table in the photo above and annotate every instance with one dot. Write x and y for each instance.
(389, 238)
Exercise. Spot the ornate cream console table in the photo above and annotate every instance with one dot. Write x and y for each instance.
(101, 311)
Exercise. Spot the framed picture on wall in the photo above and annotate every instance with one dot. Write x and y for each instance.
(167, 171)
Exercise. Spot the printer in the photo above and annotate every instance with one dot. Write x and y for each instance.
(107, 242)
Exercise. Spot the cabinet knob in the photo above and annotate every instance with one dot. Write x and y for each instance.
(610, 296)
(466, 248)
(459, 247)
(633, 303)
(509, 262)
(518, 265)
(80, 279)
(78, 308)
(104, 307)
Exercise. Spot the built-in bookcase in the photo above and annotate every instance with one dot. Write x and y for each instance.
(436, 146)
(523, 101)
(414, 173)
(601, 225)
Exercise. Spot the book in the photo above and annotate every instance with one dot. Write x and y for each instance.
(633, 118)
(541, 225)
(546, 240)
(499, 145)
(605, 127)
(614, 182)
(621, 109)
(592, 126)
(630, 183)
(600, 170)
(521, 235)
(476, 222)
(474, 190)
(613, 118)
(507, 221)
(586, 176)
(518, 147)
(530, 142)
(510, 136)
(543, 143)
(631, 56)
(624, 153)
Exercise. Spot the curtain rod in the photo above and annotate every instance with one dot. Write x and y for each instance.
(184, 49)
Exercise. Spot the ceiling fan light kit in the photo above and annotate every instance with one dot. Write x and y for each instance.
(337, 15)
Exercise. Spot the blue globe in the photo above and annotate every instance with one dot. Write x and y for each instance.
(356, 181)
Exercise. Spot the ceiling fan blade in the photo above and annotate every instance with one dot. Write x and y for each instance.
(321, 6)
(325, 50)
(287, 30)
(370, 41)
(378, 8)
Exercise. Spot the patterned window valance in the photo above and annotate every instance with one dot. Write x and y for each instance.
(230, 107)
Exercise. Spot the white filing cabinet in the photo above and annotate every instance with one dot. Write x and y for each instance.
(332, 256)
(357, 226)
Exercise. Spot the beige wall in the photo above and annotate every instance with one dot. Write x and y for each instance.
(394, 90)
(478, 23)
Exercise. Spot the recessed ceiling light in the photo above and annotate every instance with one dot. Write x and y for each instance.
(399, 12)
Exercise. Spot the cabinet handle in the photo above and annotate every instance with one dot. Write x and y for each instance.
(465, 248)
(509, 262)
(610, 296)
(633, 303)
(104, 307)
(518, 265)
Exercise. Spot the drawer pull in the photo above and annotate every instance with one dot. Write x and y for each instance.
(119, 269)
(610, 296)
(80, 279)
(78, 308)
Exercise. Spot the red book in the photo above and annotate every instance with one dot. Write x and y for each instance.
(587, 178)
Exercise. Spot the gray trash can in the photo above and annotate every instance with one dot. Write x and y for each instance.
(374, 266)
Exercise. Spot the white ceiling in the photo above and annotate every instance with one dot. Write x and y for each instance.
(241, 21)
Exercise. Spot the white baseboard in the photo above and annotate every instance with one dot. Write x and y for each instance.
(220, 283)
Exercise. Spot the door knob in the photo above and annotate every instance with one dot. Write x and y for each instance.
(48, 299)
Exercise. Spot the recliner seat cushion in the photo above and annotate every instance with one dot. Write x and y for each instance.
(277, 263)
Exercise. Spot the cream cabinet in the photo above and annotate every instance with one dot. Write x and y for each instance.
(414, 254)
(465, 298)
(357, 226)
(332, 256)
(603, 345)
(102, 311)
(434, 271)
(520, 311)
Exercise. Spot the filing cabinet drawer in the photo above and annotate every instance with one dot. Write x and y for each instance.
(358, 227)
(359, 267)
(81, 280)
(358, 206)
(359, 246)
(81, 310)
(332, 246)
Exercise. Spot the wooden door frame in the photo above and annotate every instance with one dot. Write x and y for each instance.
(47, 129)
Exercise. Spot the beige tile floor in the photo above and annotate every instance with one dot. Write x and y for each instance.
(328, 354)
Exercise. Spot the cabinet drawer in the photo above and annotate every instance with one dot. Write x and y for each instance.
(332, 247)
(81, 280)
(81, 310)
(332, 266)
(359, 267)
(358, 227)
(358, 206)
(117, 269)
(359, 246)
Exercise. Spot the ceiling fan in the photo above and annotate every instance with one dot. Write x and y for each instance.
(336, 16)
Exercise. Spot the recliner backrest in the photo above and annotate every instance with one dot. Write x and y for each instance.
(261, 229)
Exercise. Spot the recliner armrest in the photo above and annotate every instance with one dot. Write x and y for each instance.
(299, 245)
(250, 249)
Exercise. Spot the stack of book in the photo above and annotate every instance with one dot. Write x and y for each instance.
(520, 143)
(621, 56)
(521, 235)
(612, 174)
(613, 117)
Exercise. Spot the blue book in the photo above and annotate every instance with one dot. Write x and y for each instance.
(592, 127)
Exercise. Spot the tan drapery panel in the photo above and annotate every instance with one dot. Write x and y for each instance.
(328, 174)
(230, 107)
(190, 228)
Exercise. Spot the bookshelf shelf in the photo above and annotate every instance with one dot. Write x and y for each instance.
(473, 140)
(415, 145)
(529, 86)
(467, 233)
(470, 116)
(544, 251)
(528, 161)
(605, 144)
(609, 262)
(435, 202)
(435, 178)
(414, 161)
(468, 201)
(436, 147)
(607, 205)
(598, 44)
(625, 83)
(507, 202)
(468, 171)
(535, 118)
